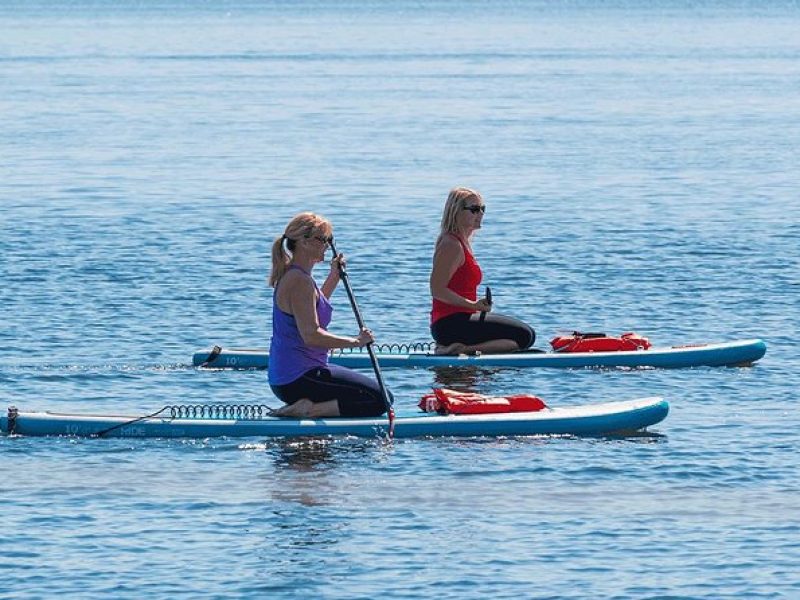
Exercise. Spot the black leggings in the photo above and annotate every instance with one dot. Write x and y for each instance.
(358, 395)
(470, 329)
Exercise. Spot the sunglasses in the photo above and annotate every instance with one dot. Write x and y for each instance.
(320, 238)
(475, 208)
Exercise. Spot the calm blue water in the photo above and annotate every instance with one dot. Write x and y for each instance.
(639, 161)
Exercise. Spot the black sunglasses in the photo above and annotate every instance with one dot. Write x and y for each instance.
(476, 208)
(320, 238)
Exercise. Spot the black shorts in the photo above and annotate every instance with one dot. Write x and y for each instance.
(358, 395)
(470, 329)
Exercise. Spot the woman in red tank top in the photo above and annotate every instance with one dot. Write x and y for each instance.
(460, 322)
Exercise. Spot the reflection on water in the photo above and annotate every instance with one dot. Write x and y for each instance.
(300, 476)
(309, 470)
(303, 455)
(463, 379)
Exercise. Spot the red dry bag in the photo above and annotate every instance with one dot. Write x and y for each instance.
(599, 342)
(447, 402)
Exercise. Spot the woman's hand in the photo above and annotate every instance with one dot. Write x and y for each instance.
(483, 305)
(337, 262)
(335, 275)
(365, 337)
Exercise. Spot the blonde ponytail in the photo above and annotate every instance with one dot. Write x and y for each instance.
(280, 261)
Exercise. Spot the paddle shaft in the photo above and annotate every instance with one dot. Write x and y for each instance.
(370, 349)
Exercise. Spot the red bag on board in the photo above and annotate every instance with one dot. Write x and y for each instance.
(452, 402)
(599, 342)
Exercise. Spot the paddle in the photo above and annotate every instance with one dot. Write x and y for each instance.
(370, 349)
(212, 356)
(489, 300)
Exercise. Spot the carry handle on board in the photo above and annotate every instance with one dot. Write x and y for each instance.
(370, 349)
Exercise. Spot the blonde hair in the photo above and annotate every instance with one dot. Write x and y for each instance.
(456, 200)
(301, 226)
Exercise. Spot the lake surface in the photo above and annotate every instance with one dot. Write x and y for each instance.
(639, 162)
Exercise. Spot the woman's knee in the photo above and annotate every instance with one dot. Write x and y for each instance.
(366, 402)
(376, 406)
(368, 407)
(526, 337)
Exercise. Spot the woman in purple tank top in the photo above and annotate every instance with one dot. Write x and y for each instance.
(299, 373)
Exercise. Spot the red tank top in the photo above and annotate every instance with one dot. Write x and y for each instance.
(464, 282)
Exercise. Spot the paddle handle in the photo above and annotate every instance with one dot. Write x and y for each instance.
(489, 300)
(370, 349)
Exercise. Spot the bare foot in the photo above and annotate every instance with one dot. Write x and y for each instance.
(451, 350)
(298, 410)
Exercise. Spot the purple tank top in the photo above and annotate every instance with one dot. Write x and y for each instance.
(289, 356)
